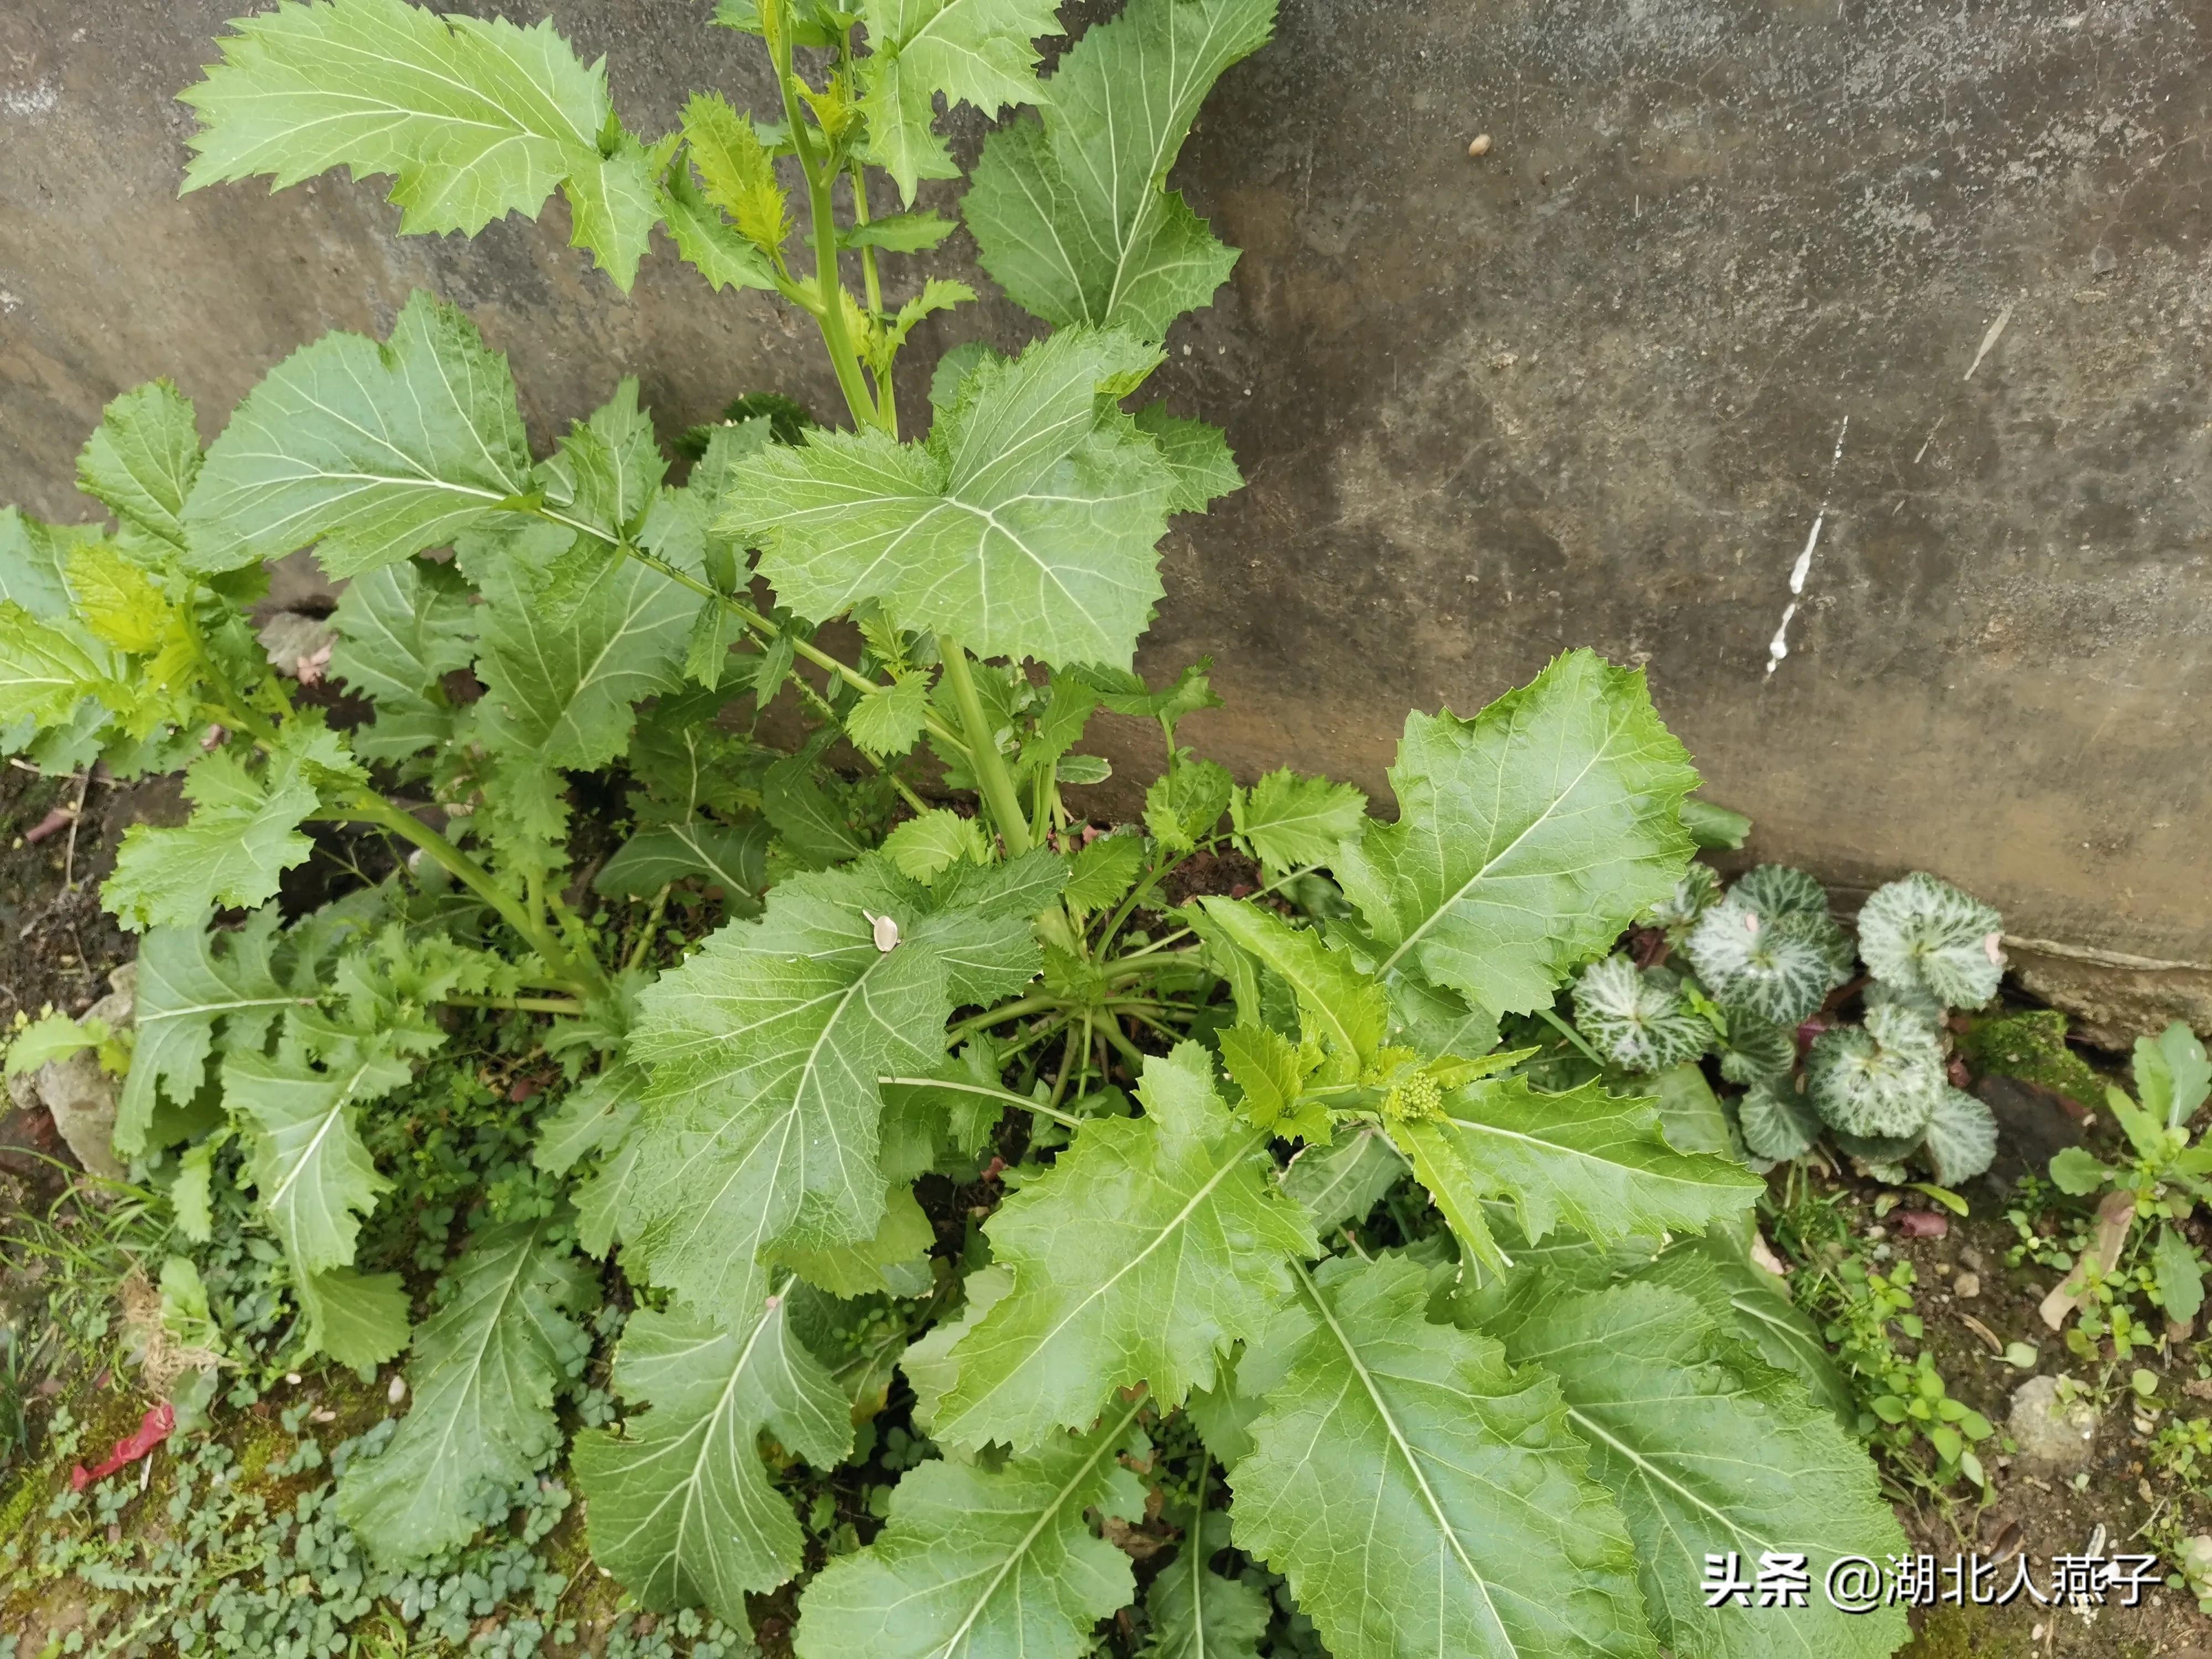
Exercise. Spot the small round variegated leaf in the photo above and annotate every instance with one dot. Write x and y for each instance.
(1783, 895)
(1699, 890)
(1777, 971)
(1776, 1122)
(1924, 935)
(1913, 1000)
(1776, 890)
(1961, 1141)
(1636, 1020)
(1882, 1078)
(1754, 1048)
(1878, 1153)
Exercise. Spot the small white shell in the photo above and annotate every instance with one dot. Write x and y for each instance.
(886, 932)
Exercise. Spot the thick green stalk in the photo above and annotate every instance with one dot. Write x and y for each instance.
(996, 783)
(821, 175)
(368, 807)
(1006, 1095)
(518, 1004)
(1036, 1003)
(644, 934)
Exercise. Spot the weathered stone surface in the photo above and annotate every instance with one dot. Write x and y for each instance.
(2033, 1126)
(2061, 1437)
(80, 1096)
(1588, 388)
(2115, 997)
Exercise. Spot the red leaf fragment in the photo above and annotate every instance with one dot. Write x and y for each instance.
(156, 1426)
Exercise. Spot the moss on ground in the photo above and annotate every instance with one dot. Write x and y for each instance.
(2030, 1044)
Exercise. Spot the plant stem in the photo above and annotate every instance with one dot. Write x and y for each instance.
(1152, 1024)
(996, 782)
(1138, 895)
(820, 173)
(1067, 1072)
(989, 1093)
(1572, 1035)
(644, 941)
(999, 1016)
(858, 174)
(1128, 1051)
(368, 807)
(768, 630)
(1043, 1030)
(984, 1089)
(1138, 963)
(519, 1005)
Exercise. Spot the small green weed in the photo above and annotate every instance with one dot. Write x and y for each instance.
(1864, 1302)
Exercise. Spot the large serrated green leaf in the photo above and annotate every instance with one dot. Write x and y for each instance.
(1527, 838)
(1140, 1256)
(487, 1368)
(1197, 453)
(191, 983)
(140, 463)
(1587, 1160)
(1709, 1451)
(733, 859)
(48, 667)
(357, 1319)
(561, 680)
(401, 627)
(977, 1564)
(372, 452)
(243, 834)
(1343, 1181)
(1026, 524)
(1422, 1498)
(1715, 1273)
(681, 1511)
(762, 1117)
(974, 51)
(1286, 820)
(1194, 1611)
(1071, 214)
(473, 117)
(1349, 1010)
(308, 1166)
(31, 555)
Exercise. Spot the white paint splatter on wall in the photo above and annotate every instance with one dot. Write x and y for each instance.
(1779, 647)
(29, 103)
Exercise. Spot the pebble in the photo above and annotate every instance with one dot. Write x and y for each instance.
(1481, 146)
(396, 1390)
(1966, 1286)
(2046, 1435)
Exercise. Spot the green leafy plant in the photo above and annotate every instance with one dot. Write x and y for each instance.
(2164, 1173)
(1769, 969)
(1899, 1399)
(1430, 1443)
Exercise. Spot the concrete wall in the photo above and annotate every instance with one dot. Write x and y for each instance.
(1590, 389)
